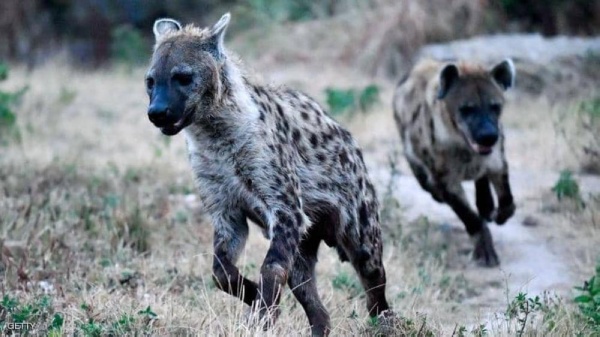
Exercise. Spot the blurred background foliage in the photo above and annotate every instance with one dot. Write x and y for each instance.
(93, 32)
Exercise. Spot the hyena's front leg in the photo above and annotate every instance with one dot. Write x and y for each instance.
(484, 251)
(506, 205)
(275, 269)
(423, 177)
(483, 198)
(231, 231)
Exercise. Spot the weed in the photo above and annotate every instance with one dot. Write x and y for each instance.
(589, 301)
(522, 308)
(128, 46)
(123, 325)
(8, 119)
(148, 313)
(37, 312)
(459, 331)
(567, 188)
(342, 101)
(347, 283)
(91, 328)
(66, 96)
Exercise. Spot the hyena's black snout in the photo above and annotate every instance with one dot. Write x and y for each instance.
(486, 134)
(487, 138)
(158, 113)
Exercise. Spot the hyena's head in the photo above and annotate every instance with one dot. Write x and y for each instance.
(473, 97)
(183, 81)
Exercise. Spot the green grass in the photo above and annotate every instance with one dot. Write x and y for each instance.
(349, 101)
(8, 117)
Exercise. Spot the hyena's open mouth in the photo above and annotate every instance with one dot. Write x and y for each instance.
(481, 149)
(173, 129)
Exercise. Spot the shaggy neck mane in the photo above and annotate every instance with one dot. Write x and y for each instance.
(233, 114)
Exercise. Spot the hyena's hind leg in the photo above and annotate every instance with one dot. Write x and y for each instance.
(483, 198)
(230, 236)
(366, 255)
(303, 284)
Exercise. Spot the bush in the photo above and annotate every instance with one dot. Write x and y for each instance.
(342, 101)
(589, 301)
(566, 186)
(8, 119)
(129, 46)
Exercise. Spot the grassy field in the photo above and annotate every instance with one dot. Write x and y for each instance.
(102, 233)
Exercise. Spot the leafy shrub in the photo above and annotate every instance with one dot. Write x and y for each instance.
(567, 188)
(8, 118)
(589, 301)
(128, 45)
(342, 101)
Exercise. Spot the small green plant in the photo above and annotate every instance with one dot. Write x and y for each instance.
(459, 331)
(567, 187)
(148, 313)
(36, 312)
(342, 101)
(589, 301)
(91, 328)
(549, 308)
(346, 282)
(522, 308)
(66, 96)
(8, 118)
(128, 45)
(123, 325)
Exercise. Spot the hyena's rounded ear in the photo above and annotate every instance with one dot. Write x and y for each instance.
(448, 77)
(218, 33)
(504, 74)
(163, 26)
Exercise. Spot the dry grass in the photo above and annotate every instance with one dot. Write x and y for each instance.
(100, 224)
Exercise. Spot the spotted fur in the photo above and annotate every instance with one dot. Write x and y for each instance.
(275, 157)
(444, 113)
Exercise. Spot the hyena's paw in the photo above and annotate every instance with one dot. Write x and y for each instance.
(261, 316)
(502, 214)
(485, 253)
(487, 215)
(486, 210)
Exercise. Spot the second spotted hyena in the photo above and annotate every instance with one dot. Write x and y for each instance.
(448, 116)
(271, 155)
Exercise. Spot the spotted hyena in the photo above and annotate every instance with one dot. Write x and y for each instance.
(270, 155)
(448, 116)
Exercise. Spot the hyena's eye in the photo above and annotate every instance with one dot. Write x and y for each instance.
(149, 83)
(183, 79)
(467, 110)
(496, 108)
